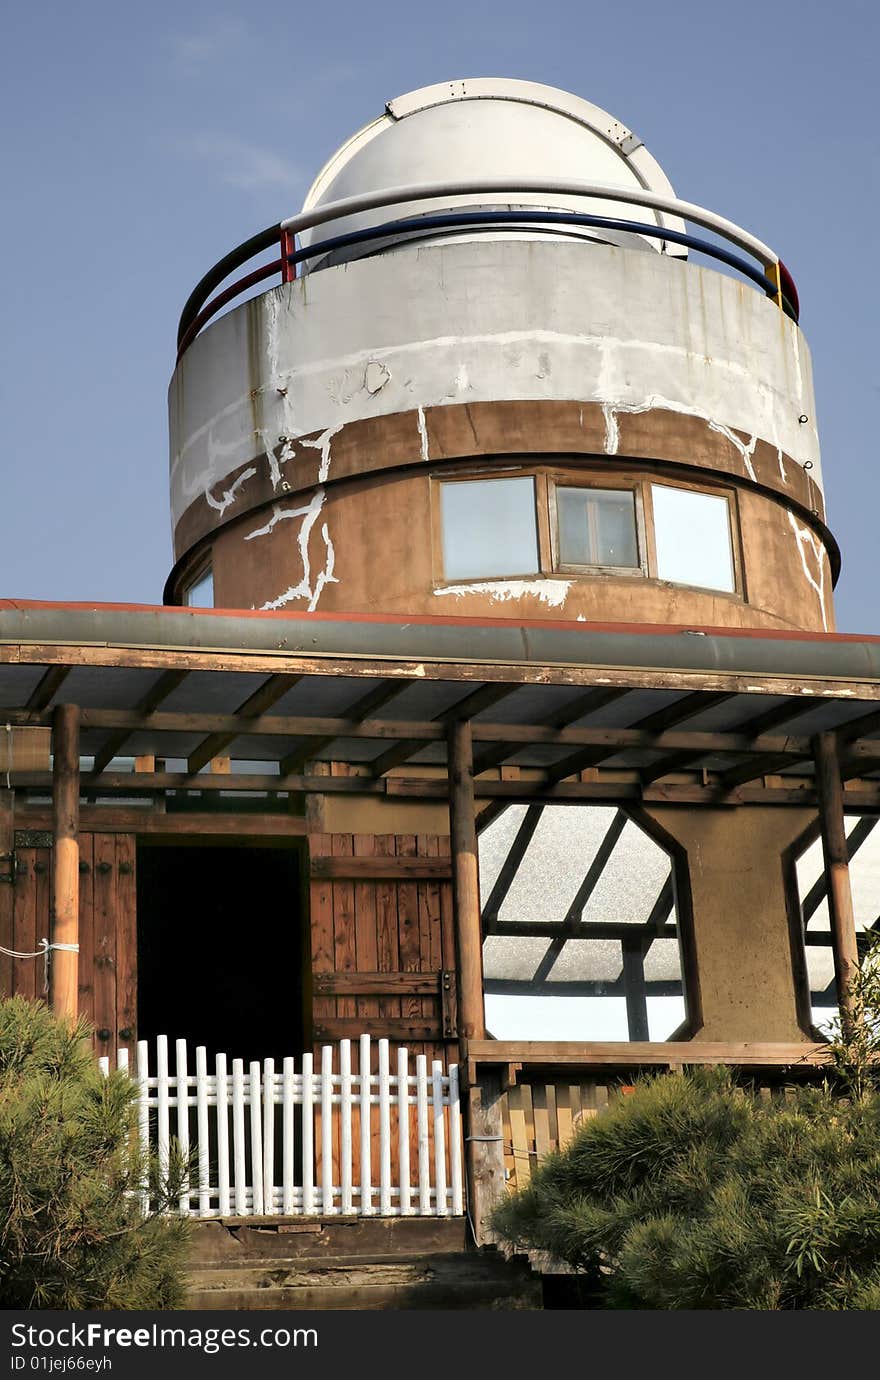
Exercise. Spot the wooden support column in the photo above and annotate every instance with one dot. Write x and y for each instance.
(64, 924)
(834, 848)
(466, 885)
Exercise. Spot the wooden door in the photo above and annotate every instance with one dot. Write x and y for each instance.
(107, 930)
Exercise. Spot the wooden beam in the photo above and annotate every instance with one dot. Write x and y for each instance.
(363, 707)
(568, 1054)
(108, 819)
(756, 767)
(380, 868)
(466, 882)
(161, 688)
(49, 684)
(834, 850)
(578, 708)
(657, 722)
(64, 920)
(474, 703)
(269, 693)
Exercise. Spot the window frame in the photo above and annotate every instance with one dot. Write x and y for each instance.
(194, 578)
(441, 579)
(614, 484)
(733, 532)
(547, 474)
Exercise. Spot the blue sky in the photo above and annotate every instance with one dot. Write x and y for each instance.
(140, 143)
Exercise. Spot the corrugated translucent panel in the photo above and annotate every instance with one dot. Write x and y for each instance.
(692, 535)
(489, 528)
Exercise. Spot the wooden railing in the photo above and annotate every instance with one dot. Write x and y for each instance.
(526, 1099)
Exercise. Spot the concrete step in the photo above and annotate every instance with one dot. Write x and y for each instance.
(225, 1240)
(381, 1263)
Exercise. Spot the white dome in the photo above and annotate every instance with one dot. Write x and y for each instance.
(493, 128)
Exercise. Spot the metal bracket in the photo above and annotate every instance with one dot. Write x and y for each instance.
(8, 868)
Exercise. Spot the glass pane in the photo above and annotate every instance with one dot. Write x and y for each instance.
(200, 594)
(597, 527)
(489, 528)
(692, 532)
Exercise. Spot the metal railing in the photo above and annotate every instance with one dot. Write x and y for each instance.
(763, 267)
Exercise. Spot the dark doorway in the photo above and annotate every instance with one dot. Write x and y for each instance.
(220, 938)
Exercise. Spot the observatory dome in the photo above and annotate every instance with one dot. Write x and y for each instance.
(489, 128)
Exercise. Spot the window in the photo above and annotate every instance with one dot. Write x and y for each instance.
(568, 521)
(692, 536)
(199, 593)
(489, 528)
(597, 527)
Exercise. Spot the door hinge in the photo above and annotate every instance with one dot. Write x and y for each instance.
(8, 867)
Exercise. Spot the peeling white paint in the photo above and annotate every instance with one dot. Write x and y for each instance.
(655, 403)
(322, 443)
(376, 376)
(305, 589)
(423, 434)
(808, 540)
(512, 324)
(229, 494)
(782, 475)
(553, 593)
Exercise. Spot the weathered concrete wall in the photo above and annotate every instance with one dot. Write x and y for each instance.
(372, 365)
(374, 548)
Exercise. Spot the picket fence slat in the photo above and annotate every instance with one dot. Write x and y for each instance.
(229, 1131)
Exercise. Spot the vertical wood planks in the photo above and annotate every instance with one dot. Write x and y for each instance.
(126, 939)
(87, 927)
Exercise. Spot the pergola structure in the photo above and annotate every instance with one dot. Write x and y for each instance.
(228, 722)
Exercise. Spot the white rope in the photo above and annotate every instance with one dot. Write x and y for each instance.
(43, 952)
(9, 749)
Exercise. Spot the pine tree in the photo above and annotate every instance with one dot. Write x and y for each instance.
(697, 1192)
(71, 1231)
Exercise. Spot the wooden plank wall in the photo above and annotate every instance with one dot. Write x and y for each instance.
(107, 932)
(381, 913)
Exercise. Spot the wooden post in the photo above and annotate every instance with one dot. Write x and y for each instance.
(481, 1123)
(466, 886)
(485, 1145)
(834, 847)
(64, 926)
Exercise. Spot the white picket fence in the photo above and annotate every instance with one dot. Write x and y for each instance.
(307, 1142)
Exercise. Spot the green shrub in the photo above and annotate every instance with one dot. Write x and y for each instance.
(71, 1231)
(695, 1192)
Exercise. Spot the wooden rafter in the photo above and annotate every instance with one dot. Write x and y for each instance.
(363, 707)
(270, 692)
(49, 684)
(474, 703)
(163, 686)
(563, 717)
(659, 721)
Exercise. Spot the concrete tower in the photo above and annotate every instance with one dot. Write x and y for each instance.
(462, 407)
(493, 384)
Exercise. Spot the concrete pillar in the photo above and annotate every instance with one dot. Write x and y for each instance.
(741, 940)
